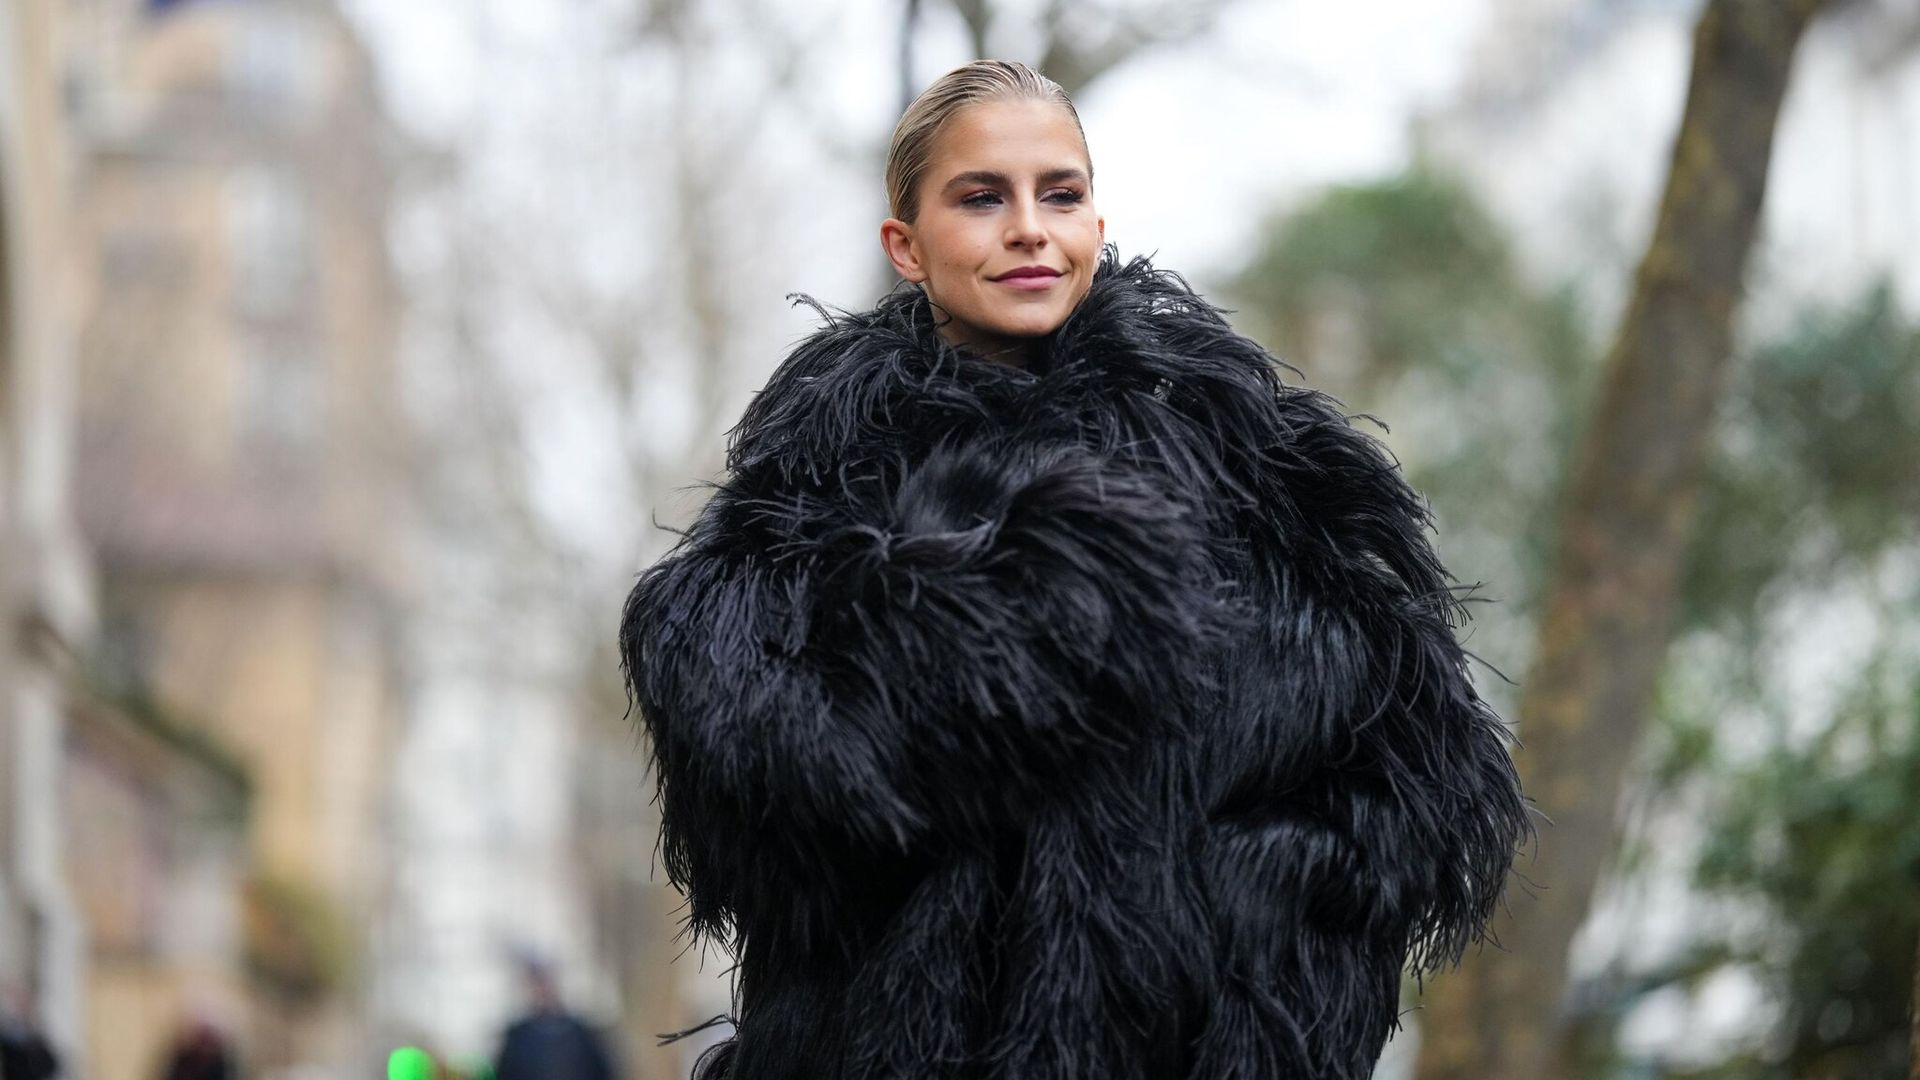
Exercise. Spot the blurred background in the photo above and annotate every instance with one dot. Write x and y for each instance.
(355, 355)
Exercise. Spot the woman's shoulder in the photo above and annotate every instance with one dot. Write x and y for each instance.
(1143, 326)
(864, 384)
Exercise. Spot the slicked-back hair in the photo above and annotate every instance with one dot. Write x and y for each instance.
(969, 84)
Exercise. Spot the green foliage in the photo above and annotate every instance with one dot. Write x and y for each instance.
(1828, 836)
(297, 941)
(1815, 470)
(1429, 263)
(191, 736)
(1813, 491)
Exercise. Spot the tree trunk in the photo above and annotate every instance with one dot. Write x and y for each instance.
(1913, 1052)
(1624, 527)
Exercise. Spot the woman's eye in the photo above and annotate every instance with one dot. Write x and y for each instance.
(1066, 196)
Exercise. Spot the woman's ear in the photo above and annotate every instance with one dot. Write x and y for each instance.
(896, 237)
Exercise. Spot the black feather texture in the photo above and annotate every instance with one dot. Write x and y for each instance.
(1097, 718)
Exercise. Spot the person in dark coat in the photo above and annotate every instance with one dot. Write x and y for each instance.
(200, 1053)
(1050, 690)
(550, 1042)
(25, 1053)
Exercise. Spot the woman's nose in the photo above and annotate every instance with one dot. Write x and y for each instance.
(1025, 227)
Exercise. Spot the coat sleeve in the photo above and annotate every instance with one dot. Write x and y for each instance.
(1368, 778)
(1363, 810)
(904, 654)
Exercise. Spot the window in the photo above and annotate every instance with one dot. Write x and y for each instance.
(282, 397)
(270, 59)
(270, 237)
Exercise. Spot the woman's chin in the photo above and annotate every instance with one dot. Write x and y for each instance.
(1031, 326)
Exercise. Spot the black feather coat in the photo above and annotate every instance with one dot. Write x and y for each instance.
(1100, 718)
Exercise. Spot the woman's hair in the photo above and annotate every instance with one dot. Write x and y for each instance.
(969, 84)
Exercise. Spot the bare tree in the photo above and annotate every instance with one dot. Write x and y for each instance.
(1625, 523)
(1081, 41)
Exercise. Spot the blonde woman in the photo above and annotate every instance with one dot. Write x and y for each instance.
(1050, 690)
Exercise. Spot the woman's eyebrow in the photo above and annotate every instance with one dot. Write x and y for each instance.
(984, 176)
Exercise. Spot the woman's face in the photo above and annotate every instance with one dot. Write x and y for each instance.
(1006, 189)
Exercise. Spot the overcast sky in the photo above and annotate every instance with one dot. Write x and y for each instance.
(1191, 142)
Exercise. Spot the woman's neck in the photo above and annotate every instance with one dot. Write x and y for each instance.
(1015, 352)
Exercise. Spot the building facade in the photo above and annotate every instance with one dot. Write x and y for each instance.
(237, 464)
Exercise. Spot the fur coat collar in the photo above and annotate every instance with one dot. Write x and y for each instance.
(1097, 718)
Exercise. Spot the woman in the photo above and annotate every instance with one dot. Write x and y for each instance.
(1049, 691)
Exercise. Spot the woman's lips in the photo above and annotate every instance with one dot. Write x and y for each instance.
(1032, 283)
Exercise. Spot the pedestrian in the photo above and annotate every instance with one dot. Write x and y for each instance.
(549, 1042)
(25, 1053)
(1052, 690)
(199, 1052)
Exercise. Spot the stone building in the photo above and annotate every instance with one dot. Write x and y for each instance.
(119, 857)
(237, 457)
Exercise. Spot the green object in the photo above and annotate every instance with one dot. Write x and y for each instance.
(410, 1063)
